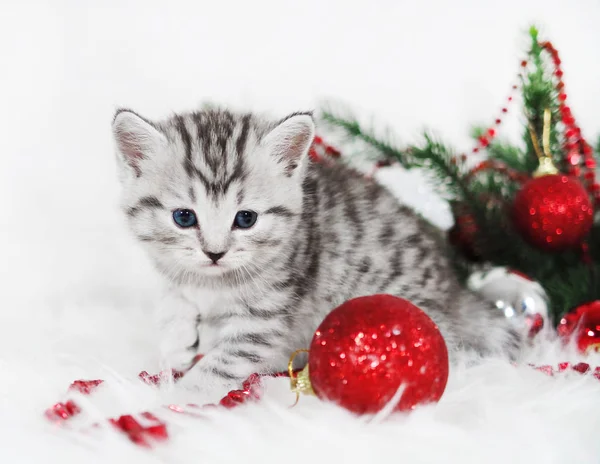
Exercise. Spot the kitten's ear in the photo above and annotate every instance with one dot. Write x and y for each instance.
(290, 141)
(137, 139)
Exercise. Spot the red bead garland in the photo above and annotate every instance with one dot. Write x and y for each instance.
(579, 153)
(320, 151)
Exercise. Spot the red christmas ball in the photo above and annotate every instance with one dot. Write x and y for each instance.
(553, 212)
(463, 236)
(583, 325)
(365, 349)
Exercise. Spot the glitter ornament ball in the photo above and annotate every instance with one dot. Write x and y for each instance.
(365, 349)
(582, 325)
(553, 212)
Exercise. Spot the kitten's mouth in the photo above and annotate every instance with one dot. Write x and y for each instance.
(214, 268)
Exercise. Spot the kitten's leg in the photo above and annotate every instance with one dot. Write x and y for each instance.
(178, 324)
(234, 359)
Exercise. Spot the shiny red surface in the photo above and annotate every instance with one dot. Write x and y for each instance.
(582, 324)
(369, 346)
(553, 212)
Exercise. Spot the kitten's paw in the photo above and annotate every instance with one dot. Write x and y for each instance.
(204, 387)
(179, 346)
(180, 360)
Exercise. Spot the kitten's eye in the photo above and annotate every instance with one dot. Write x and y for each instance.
(245, 219)
(185, 217)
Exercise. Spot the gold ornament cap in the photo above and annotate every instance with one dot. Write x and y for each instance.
(299, 382)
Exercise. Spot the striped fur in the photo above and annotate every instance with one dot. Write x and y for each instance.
(324, 235)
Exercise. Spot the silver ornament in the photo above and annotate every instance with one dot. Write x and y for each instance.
(521, 299)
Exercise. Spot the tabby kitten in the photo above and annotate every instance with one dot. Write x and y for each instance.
(257, 243)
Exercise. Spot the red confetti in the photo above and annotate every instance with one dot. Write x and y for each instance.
(141, 435)
(85, 386)
(581, 368)
(158, 379)
(62, 411)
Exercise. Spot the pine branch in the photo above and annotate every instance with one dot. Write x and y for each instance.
(444, 165)
(355, 130)
(512, 156)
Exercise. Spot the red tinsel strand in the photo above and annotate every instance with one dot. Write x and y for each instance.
(575, 145)
(322, 152)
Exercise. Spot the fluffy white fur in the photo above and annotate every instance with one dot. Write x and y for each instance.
(494, 413)
(76, 294)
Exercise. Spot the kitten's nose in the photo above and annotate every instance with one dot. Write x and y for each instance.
(214, 257)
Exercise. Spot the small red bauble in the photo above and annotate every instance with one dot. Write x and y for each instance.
(365, 349)
(464, 235)
(583, 323)
(553, 212)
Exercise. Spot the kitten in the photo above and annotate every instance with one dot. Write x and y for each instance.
(258, 243)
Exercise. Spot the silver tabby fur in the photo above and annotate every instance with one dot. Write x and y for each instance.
(324, 234)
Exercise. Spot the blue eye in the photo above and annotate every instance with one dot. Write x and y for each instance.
(184, 218)
(245, 219)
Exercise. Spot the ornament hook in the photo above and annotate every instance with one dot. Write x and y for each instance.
(546, 166)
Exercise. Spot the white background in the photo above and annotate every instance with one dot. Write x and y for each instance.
(73, 285)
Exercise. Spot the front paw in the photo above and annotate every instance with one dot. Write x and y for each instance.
(202, 387)
(179, 347)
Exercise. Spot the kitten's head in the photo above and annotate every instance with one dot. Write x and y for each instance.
(214, 196)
